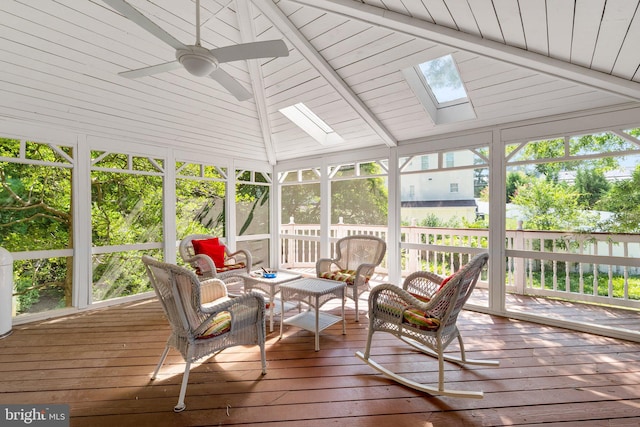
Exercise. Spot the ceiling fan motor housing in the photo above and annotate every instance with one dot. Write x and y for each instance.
(197, 60)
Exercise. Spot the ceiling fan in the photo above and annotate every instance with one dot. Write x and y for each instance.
(196, 59)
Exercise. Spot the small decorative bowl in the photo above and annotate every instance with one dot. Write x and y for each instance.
(269, 275)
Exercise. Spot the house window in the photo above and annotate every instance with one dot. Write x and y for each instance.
(448, 160)
(424, 162)
(453, 187)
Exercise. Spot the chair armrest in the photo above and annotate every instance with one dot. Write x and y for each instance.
(323, 265)
(245, 310)
(211, 290)
(248, 260)
(391, 301)
(203, 263)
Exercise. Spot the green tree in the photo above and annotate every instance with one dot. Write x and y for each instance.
(548, 206)
(592, 185)
(359, 201)
(623, 199)
(302, 202)
(515, 180)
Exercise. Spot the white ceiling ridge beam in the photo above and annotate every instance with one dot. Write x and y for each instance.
(271, 11)
(247, 35)
(470, 43)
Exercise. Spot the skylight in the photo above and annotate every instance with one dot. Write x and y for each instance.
(438, 86)
(309, 122)
(443, 79)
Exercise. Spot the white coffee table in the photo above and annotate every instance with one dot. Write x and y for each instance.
(270, 286)
(314, 292)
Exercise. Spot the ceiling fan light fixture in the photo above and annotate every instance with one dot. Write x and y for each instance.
(198, 61)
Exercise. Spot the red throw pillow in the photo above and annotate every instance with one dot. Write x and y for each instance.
(210, 247)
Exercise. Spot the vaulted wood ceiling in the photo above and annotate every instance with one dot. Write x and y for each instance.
(519, 59)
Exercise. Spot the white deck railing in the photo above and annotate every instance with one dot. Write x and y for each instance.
(538, 262)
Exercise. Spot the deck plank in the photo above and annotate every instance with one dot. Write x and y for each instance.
(99, 363)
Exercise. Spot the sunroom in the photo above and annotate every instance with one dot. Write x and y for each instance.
(387, 118)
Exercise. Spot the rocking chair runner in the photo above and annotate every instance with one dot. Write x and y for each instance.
(355, 261)
(423, 314)
(203, 318)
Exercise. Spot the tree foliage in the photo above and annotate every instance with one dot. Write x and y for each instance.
(548, 205)
(592, 185)
(623, 199)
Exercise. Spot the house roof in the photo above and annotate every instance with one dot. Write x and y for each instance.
(518, 60)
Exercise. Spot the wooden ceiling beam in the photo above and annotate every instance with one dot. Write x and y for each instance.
(247, 34)
(462, 41)
(271, 11)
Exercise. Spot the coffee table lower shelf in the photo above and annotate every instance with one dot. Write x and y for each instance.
(307, 320)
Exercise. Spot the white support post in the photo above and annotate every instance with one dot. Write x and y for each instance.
(497, 224)
(169, 206)
(325, 211)
(394, 232)
(6, 292)
(82, 245)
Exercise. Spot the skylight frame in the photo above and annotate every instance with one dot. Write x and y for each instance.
(440, 113)
(311, 123)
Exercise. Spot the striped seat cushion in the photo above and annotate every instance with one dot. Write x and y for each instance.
(347, 276)
(224, 268)
(229, 267)
(420, 319)
(219, 325)
(414, 316)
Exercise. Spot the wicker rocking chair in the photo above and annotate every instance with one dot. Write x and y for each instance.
(231, 263)
(423, 314)
(355, 261)
(203, 318)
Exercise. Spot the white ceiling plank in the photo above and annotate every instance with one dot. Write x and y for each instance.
(588, 14)
(626, 64)
(458, 40)
(395, 5)
(614, 28)
(560, 29)
(463, 16)
(487, 20)
(440, 13)
(328, 73)
(508, 13)
(534, 24)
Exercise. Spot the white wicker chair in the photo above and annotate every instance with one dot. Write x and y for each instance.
(392, 309)
(203, 318)
(356, 258)
(235, 262)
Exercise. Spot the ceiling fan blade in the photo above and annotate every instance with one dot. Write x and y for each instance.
(138, 18)
(151, 70)
(253, 50)
(230, 84)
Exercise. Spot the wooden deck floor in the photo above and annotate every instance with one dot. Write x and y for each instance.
(99, 363)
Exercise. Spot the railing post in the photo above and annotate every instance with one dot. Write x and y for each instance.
(413, 236)
(519, 272)
(6, 292)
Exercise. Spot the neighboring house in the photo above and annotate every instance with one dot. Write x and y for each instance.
(430, 190)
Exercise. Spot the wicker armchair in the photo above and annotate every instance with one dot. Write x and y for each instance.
(203, 318)
(423, 313)
(355, 261)
(234, 262)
